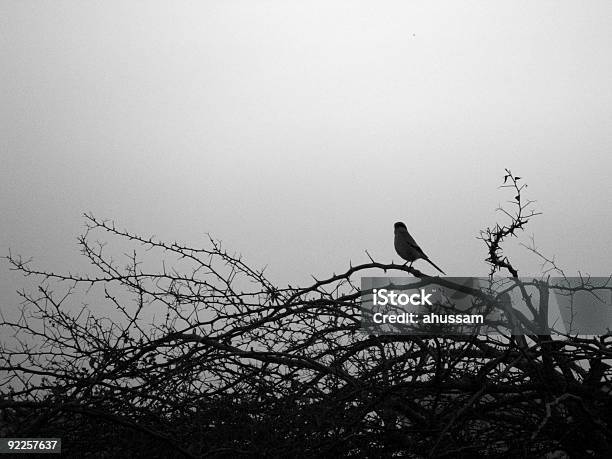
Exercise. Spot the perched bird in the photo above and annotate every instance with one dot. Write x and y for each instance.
(407, 248)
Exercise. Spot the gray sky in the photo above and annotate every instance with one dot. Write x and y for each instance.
(298, 132)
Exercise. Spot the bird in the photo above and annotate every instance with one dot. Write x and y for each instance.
(407, 248)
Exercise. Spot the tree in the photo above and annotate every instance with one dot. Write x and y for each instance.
(209, 358)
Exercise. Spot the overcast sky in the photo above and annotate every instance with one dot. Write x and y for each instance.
(298, 132)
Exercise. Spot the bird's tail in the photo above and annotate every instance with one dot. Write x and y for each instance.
(434, 265)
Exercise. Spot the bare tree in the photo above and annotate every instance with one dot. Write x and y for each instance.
(181, 351)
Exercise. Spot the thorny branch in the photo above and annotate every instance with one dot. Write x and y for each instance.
(191, 351)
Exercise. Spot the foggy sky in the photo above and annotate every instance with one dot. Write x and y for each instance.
(299, 132)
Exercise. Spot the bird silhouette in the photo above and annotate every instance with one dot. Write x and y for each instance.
(407, 248)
